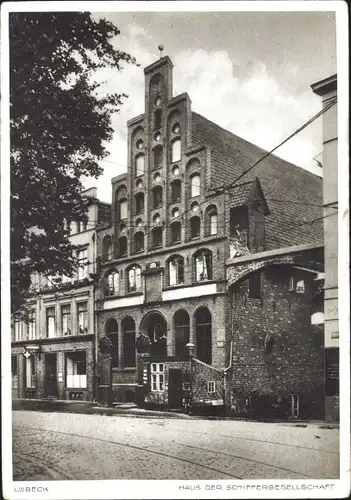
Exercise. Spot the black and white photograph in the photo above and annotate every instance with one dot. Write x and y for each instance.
(174, 241)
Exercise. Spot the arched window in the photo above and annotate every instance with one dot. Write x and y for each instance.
(195, 227)
(211, 220)
(107, 248)
(139, 203)
(111, 331)
(203, 265)
(121, 203)
(157, 237)
(182, 329)
(139, 241)
(139, 165)
(195, 185)
(175, 271)
(176, 150)
(134, 279)
(122, 246)
(157, 119)
(175, 232)
(203, 326)
(112, 283)
(176, 190)
(128, 330)
(157, 197)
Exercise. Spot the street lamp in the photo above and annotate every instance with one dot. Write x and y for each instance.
(190, 350)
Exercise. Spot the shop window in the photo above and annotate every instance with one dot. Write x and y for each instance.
(66, 319)
(128, 329)
(176, 232)
(50, 322)
(157, 377)
(139, 167)
(82, 257)
(76, 370)
(194, 185)
(157, 197)
(139, 203)
(111, 330)
(176, 189)
(134, 279)
(203, 326)
(176, 151)
(255, 286)
(195, 227)
(203, 266)
(82, 317)
(176, 271)
(139, 241)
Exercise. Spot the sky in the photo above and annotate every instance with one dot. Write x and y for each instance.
(249, 72)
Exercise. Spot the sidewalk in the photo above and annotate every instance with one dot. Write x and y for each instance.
(131, 409)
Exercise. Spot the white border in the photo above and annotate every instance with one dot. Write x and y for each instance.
(170, 489)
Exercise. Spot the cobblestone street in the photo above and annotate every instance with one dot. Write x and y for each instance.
(82, 447)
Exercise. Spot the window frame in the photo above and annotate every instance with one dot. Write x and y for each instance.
(66, 317)
(178, 270)
(113, 282)
(54, 326)
(174, 158)
(195, 219)
(139, 172)
(138, 246)
(157, 377)
(193, 176)
(71, 363)
(211, 383)
(139, 200)
(204, 254)
(176, 225)
(83, 265)
(157, 192)
(136, 278)
(79, 310)
(176, 184)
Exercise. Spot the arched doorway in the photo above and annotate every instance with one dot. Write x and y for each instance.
(155, 326)
(111, 331)
(181, 329)
(203, 326)
(128, 329)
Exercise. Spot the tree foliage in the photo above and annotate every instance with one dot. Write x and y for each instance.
(60, 122)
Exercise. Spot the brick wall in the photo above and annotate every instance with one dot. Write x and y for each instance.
(294, 362)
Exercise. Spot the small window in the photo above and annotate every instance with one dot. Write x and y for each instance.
(157, 377)
(157, 237)
(295, 405)
(176, 271)
(195, 227)
(139, 241)
(139, 166)
(157, 119)
(139, 203)
(140, 144)
(296, 286)
(82, 317)
(176, 128)
(158, 157)
(194, 185)
(255, 286)
(134, 279)
(66, 319)
(300, 287)
(176, 232)
(211, 387)
(176, 150)
(203, 266)
(157, 192)
(176, 191)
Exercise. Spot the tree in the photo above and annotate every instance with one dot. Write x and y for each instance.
(60, 122)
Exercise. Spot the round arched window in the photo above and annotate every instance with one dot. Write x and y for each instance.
(176, 128)
(175, 170)
(140, 144)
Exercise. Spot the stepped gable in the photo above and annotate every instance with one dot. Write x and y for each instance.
(281, 180)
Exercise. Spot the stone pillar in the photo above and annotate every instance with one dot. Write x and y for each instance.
(105, 372)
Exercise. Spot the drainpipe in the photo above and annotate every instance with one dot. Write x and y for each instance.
(95, 320)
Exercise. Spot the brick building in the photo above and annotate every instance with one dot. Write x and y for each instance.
(54, 355)
(175, 238)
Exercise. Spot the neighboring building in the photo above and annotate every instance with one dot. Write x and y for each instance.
(327, 89)
(54, 356)
(176, 236)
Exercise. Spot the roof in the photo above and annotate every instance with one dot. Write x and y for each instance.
(325, 86)
(240, 194)
(293, 194)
